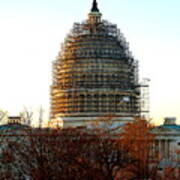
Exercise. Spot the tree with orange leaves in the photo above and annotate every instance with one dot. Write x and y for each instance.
(136, 139)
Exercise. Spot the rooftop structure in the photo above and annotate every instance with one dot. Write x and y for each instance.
(14, 120)
(170, 121)
(94, 75)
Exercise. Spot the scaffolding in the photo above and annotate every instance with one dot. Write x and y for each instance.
(95, 73)
(144, 98)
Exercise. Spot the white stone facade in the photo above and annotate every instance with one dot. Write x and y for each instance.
(167, 143)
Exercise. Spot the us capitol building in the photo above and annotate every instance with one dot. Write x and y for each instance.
(94, 75)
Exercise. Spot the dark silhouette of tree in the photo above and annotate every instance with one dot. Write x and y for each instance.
(65, 154)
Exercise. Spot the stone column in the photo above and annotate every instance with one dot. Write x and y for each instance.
(166, 148)
(93, 102)
(107, 104)
(159, 148)
(153, 149)
(100, 102)
(85, 103)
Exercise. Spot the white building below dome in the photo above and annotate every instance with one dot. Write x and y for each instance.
(167, 143)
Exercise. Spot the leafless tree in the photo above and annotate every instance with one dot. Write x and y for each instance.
(3, 115)
(27, 116)
(40, 119)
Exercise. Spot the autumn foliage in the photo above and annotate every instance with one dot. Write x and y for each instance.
(137, 139)
(80, 153)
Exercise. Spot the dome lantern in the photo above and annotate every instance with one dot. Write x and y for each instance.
(94, 15)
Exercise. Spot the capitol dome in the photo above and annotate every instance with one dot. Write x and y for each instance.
(94, 75)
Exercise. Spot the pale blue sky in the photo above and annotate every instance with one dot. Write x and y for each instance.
(31, 32)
